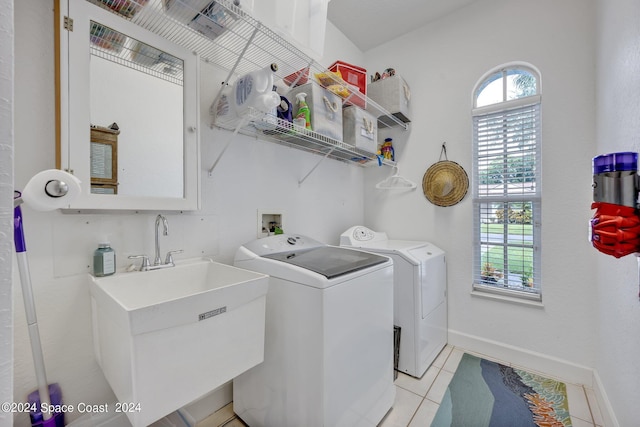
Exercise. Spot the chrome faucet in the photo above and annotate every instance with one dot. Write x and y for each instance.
(157, 262)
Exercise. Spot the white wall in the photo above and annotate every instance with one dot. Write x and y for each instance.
(442, 62)
(251, 175)
(618, 129)
(6, 208)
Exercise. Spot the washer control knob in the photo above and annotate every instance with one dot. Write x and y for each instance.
(291, 240)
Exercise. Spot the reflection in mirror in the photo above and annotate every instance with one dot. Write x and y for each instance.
(134, 95)
(136, 106)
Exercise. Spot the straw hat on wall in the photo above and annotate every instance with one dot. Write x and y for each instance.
(445, 183)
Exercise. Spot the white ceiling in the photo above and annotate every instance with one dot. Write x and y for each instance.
(369, 23)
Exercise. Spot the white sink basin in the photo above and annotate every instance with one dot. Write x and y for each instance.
(163, 338)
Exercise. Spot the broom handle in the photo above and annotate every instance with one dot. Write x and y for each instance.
(34, 334)
(30, 311)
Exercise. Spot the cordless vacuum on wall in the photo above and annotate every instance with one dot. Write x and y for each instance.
(615, 226)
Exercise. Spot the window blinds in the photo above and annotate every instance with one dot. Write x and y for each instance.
(507, 200)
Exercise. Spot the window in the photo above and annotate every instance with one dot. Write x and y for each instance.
(506, 182)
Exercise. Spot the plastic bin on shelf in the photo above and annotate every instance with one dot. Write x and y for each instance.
(355, 76)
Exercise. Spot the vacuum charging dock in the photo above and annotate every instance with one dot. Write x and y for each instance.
(615, 226)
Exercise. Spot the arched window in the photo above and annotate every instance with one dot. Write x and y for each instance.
(506, 84)
(506, 177)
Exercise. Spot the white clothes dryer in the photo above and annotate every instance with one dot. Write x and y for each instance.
(420, 294)
(328, 357)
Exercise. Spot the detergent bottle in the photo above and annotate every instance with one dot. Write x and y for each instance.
(285, 110)
(303, 110)
(255, 89)
(223, 111)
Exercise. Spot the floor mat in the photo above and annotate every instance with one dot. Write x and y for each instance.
(487, 394)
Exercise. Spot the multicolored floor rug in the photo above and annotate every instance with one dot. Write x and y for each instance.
(488, 394)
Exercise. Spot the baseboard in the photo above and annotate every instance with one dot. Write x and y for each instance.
(531, 360)
(608, 416)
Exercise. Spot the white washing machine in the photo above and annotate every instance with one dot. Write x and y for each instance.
(420, 294)
(328, 358)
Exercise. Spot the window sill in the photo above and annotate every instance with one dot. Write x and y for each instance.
(496, 295)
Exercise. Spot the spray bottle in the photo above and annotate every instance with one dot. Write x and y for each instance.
(303, 110)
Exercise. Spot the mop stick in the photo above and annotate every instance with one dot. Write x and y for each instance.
(30, 309)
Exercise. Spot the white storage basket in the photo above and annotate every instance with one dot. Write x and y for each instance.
(394, 95)
(360, 128)
(325, 108)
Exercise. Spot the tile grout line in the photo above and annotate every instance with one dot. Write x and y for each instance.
(415, 412)
(440, 369)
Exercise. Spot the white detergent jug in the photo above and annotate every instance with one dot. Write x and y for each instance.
(223, 110)
(255, 90)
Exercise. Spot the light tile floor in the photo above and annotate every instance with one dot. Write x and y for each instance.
(417, 400)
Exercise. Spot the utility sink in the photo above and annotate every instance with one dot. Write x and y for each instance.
(164, 338)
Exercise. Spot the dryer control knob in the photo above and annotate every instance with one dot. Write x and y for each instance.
(362, 234)
(291, 241)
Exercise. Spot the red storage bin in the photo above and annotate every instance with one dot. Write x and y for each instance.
(300, 77)
(355, 76)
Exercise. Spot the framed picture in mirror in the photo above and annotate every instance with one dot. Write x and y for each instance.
(104, 160)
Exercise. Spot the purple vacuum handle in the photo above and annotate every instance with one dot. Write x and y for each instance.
(18, 232)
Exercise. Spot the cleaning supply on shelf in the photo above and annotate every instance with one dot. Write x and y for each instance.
(268, 122)
(387, 149)
(223, 110)
(303, 110)
(285, 110)
(268, 102)
(255, 90)
(280, 119)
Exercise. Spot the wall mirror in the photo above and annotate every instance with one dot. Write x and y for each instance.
(128, 113)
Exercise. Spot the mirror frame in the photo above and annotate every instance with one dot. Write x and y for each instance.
(73, 112)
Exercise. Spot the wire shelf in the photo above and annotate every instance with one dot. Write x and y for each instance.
(274, 129)
(222, 33)
(114, 46)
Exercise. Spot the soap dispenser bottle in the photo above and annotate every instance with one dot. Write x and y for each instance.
(104, 260)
